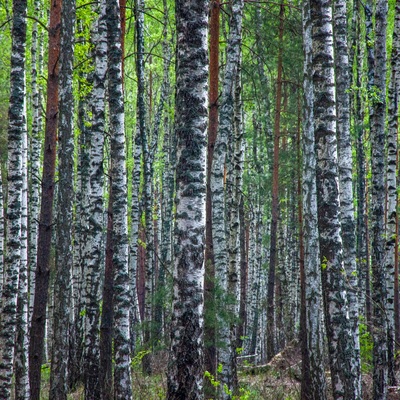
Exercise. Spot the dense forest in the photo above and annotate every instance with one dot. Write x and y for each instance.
(192, 190)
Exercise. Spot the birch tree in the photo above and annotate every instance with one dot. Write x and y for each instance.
(313, 368)
(330, 241)
(185, 368)
(379, 276)
(392, 196)
(95, 261)
(122, 375)
(16, 133)
(342, 73)
(219, 226)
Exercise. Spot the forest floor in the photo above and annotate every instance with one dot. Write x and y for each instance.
(280, 379)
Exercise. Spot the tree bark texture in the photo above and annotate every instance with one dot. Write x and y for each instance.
(379, 275)
(64, 254)
(313, 366)
(330, 241)
(218, 189)
(95, 246)
(14, 247)
(42, 274)
(343, 84)
(185, 369)
(122, 375)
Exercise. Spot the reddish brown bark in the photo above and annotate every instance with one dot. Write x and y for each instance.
(107, 315)
(36, 344)
(209, 331)
(275, 194)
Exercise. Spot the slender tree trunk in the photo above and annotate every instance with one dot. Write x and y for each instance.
(22, 390)
(392, 197)
(122, 376)
(362, 243)
(186, 364)
(107, 315)
(1, 234)
(34, 154)
(209, 282)
(217, 185)
(331, 249)
(62, 284)
(313, 355)
(379, 276)
(342, 70)
(42, 275)
(95, 247)
(16, 201)
(271, 346)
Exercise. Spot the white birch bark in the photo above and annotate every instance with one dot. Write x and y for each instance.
(95, 243)
(16, 133)
(313, 285)
(391, 185)
(1, 236)
(345, 162)
(379, 276)
(185, 369)
(34, 153)
(218, 190)
(22, 342)
(330, 241)
(122, 374)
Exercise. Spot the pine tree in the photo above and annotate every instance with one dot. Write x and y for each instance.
(42, 273)
(64, 253)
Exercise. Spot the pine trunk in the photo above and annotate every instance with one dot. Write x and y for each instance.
(42, 273)
(64, 254)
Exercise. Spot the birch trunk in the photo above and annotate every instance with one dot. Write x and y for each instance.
(217, 185)
(95, 244)
(392, 197)
(379, 275)
(1, 235)
(342, 70)
(22, 391)
(14, 247)
(185, 369)
(313, 369)
(122, 375)
(34, 153)
(331, 249)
